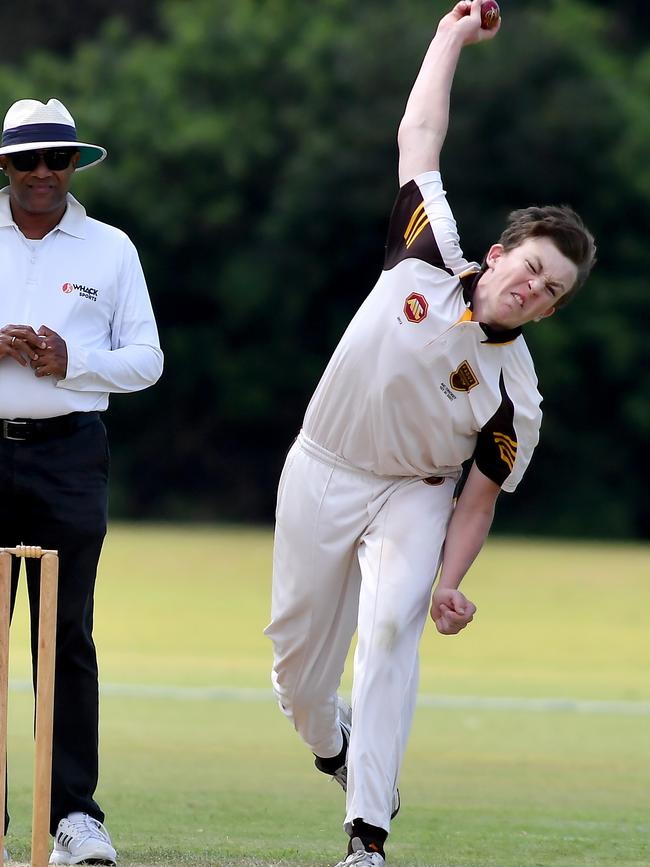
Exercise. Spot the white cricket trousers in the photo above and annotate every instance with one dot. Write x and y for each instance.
(353, 551)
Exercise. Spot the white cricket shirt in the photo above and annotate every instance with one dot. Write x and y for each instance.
(84, 281)
(415, 387)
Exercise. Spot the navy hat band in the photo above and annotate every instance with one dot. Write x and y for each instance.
(35, 132)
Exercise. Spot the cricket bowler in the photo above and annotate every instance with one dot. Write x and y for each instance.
(432, 373)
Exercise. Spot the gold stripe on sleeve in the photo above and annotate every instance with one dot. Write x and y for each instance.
(419, 226)
(507, 448)
(414, 217)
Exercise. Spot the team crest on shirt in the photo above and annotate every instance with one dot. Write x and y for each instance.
(463, 378)
(416, 307)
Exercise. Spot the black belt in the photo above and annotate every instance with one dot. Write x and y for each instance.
(38, 429)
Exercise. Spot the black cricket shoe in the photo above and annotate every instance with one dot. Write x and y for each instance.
(337, 766)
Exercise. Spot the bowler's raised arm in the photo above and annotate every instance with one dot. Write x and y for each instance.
(423, 128)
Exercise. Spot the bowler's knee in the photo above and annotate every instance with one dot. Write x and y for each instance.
(296, 696)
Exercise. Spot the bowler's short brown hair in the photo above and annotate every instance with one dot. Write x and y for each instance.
(564, 227)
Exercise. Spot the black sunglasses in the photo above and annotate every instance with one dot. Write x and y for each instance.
(55, 160)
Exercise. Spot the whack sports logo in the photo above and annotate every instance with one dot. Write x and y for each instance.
(84, 291)
(416, 307)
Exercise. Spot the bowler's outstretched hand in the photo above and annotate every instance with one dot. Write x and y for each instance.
(465, 20)
(451, 610)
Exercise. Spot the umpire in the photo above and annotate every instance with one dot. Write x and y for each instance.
(76, 323)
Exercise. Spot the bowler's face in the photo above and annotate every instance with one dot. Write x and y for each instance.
(41, 190)
(522, 284)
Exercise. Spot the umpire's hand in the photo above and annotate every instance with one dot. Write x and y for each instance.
(52, 358)
(20, 342)
(44, 350)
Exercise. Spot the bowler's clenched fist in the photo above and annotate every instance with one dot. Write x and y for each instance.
(451, 610)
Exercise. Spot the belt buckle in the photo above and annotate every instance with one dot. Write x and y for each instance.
(5, 430)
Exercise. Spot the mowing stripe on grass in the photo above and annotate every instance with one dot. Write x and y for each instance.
(452, 702)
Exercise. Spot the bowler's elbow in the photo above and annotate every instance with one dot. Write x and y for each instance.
(419, 147)
(480, 493)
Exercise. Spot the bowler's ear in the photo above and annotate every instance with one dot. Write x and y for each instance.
(545, 315)
(3, 163)
(493, 254)
(75, 159)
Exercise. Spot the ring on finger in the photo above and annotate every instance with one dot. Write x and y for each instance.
(13, 340)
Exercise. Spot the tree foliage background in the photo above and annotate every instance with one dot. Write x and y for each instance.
(252, 159)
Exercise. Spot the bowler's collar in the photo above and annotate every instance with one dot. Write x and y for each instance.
(468, 281)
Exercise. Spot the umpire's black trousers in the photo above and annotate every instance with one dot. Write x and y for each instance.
(53, 493)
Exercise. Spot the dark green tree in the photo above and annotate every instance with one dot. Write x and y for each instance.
(253, 161)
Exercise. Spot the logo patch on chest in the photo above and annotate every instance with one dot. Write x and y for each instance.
(416, 307)
(463, 378)
(84, 291)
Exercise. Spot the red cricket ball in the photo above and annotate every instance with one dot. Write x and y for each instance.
(490, 14)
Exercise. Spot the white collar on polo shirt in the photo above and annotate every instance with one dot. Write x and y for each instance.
(73, 222)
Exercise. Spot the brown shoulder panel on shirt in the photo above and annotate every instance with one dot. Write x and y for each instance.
(409, 232)
(496, 447)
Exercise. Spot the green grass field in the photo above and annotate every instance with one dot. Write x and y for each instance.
(199, 778)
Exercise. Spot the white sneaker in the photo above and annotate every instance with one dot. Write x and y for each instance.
(341, 774)
(360, 857)
(82, 839)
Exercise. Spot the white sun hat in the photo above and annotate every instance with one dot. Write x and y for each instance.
(30, 125)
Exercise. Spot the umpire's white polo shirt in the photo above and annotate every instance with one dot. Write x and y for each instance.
(84, 281)
(415, 387)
